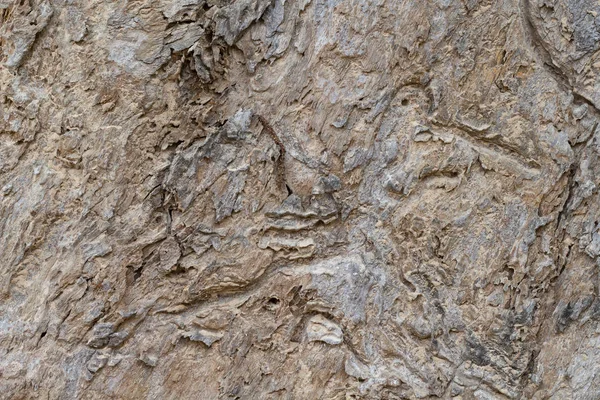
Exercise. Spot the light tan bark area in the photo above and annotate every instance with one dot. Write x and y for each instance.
(309, 199)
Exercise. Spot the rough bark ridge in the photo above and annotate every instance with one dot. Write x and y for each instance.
(310, 199)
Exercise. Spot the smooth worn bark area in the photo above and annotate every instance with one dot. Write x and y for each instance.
(309, 199)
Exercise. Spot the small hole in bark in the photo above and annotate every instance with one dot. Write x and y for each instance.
(404, 102)
(274, 300)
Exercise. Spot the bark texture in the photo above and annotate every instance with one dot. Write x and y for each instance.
(301, 199)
